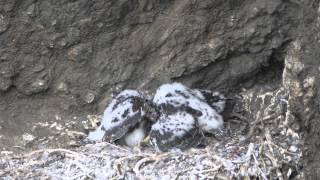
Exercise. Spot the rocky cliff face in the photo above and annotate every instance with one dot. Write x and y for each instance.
(61, 60)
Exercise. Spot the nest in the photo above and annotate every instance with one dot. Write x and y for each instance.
(257, 146)
(260, 157)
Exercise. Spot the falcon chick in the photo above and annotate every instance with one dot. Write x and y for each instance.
(127, 116)
(216, 100)
(175, 131)
(178, 104)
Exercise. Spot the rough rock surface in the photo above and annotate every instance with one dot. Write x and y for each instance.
(60, 60)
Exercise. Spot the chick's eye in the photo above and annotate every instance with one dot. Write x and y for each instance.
(216, 98)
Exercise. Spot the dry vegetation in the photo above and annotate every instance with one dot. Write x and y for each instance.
(264, 148)
(235, 156)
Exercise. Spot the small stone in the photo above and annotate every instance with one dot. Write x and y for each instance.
(6, 69)
(73, 36)
(54, 22)
(145, 18)
(38, 83)
(215, 43)
(32, 86)
(62, 87)
(44, 50)
(3, 23)
(30, 9)
(272, 6)
(62, 43)
(80, 52)
(89, 97)
(100, 25)
(58, 117)
(5, 83)
(38, 68)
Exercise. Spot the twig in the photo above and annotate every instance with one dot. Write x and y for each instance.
(222, 177)
(51, 151)
(77, 176)
(179, 173)
(257, 165)
(115, 146)
(239, 116)
(211, 169)
(76, 133)
(136, 168)
(118, 161)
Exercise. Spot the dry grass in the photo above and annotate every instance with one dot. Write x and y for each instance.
(233, 157)
(265, 149)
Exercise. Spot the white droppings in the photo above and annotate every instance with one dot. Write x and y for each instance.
(6, 153)
(293, 148)
(28, 137)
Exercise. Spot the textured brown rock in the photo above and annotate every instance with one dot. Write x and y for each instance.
(67, 57)
(5, 83)
(3, 23)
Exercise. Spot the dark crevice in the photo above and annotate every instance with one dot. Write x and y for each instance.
(269, 73)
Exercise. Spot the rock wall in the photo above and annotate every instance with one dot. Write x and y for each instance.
(61, 60)
(301, 81)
